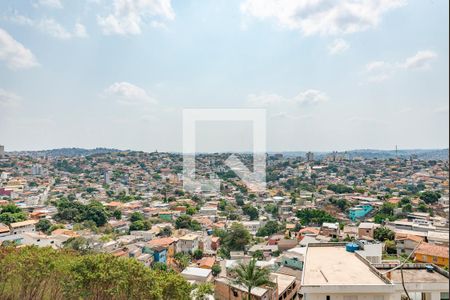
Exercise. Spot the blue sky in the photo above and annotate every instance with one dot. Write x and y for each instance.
(333, 75)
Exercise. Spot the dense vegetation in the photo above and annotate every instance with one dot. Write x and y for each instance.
(314, 217)
(73, 211)
(340, 188)
(11, 214)
(44, 273)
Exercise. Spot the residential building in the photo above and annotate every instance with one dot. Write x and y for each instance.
(23, 227)
(188, 243)
(197, 275)
(433, 254)
(332, 272)
(330, 230)
(366, 230)
(406, 243)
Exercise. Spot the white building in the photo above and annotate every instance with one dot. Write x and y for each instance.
(188, 243)
(252, 226)
(37, 170)
(332, 273)
(23, 227)
(197, 274)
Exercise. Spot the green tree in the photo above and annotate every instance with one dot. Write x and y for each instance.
(314, 216)
(11, 213)
(237, 237)
(216, 269)
(383, 233)
(250, 276)
(250, 211)
(198, 254)
(203, 290)
(117, 214)
(258, 255)
(269, 228)
(137, 216)
(407, 208)
(430, 197)
(43, 225)
(183, 221)
(191, 210)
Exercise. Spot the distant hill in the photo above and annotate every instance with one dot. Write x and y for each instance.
(427, 154)
(68, 152)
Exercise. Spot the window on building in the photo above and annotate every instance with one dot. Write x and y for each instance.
(328, 297)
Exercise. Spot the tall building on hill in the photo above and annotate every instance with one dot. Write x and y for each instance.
(310, 156)
(2, 151)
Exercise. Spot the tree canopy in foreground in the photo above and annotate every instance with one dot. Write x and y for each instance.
(44, 273)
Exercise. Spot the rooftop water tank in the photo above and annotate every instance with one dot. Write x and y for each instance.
(351, 247)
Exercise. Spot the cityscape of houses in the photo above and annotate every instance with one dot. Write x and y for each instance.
(333, 227)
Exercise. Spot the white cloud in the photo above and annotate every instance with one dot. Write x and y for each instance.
(338, 46)
(14, 53)
(128, 94)
(129, 16)
(80, 30)
(305, 98)
(49, 26)
(422, 60)
(381, 70)
(50, 3)
(322, 17)
(53, 28)
(8, 99)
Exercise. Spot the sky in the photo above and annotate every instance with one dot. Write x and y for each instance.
(331, 75)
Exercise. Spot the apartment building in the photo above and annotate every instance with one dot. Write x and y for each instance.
(188, 243)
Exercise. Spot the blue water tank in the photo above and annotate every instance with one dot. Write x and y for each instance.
(351, 247)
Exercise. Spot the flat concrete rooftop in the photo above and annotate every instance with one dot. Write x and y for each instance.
(418, 276)
(333, 265)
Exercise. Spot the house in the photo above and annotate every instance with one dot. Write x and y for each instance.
(215, 243)
(188, 243)
(366, 230)
(433, 254)
(252, 226)
(4, 230)
(330, 230)
(206, 262)
(286, 288)
(406, 243)
(419, 280)
(159, 254)
(292, 260)
(170, 244)
(332, 272)
(194, 274)
(265, 249)
(286, 244)
(307, 231)
(119, 226)
(438, 238)
(67, 232)
(23, 227)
